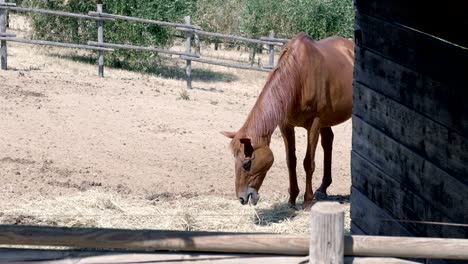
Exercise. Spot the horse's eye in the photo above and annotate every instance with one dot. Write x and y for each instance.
(246, 164)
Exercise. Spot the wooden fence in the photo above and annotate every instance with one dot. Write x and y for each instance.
(326, 243)
(191, 32)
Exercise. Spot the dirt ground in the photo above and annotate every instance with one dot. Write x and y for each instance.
(65, 132)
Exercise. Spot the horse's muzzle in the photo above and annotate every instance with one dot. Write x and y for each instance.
(250, 194)
(243, 201)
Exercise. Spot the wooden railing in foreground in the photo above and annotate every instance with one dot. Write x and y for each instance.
(326, 242)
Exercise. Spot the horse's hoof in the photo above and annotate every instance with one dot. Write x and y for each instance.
(320, 195)
(306, 207)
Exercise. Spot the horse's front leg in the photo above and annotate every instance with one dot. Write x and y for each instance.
(309, 161)
(326, 135)
(290, 145)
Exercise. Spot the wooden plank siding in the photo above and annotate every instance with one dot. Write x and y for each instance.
(423, 15)
(410, 120)
(448, 195)
(367, 217)
(403, 203)
(427, 138)
(415, 50)
(445, 105)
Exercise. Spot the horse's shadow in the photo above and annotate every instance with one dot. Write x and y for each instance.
(337, 198)
(280, 212)
(275, 214)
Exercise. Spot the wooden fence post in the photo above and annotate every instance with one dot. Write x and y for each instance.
(188, 69)
(271, 51)
(253, 51)
(327, 233)
(3, 43)
(197, 43)
(100, 39)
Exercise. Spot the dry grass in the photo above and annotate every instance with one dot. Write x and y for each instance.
(208, 213)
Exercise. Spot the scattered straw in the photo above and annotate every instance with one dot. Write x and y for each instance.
(209, 213)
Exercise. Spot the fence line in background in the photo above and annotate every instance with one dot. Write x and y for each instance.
(231, 65)
(53, 43)
(273, 39)
(100, 26)
(188, 68)
(226, 36)
(141, 48)
(3, 43)
(191, 32)
(52, 12)
(142, 20)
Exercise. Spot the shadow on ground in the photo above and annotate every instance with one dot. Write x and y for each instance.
(275, 214)
(158, 68)
(337, 198)
(283, 211)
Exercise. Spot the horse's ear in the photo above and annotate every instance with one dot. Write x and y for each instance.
(228, 134)
(248, 149)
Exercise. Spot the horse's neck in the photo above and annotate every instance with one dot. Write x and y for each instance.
(279, 95)
(268, 112)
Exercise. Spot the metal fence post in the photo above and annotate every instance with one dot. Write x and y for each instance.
(271, 51)
(100, 39)
(3, 43)
(188, 69)
(326, 233)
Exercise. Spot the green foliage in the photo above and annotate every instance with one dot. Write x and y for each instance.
(324, 18)
(74, 30)
(318, 18)
(222, 16)
(261, 16)
(251, 18)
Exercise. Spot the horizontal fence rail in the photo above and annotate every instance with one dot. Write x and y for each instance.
(225, 36)
(282, 40)
(53, 43)
(192, 32)
(8, 35)
(154, 240)
(52, 12)
(226, 64)
(406, 247)
(7, 4)
(142, 20)
(133, 47)
(258, 243)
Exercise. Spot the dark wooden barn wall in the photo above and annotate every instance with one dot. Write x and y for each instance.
(410, 119)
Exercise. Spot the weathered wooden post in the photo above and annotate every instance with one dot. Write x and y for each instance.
(188, 69)
(271, 51)
(253, 51)
(100, 26)
(327, 233)
(197, 43)
(3, 43)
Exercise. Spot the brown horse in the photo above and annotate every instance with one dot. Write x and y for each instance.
(311, 87)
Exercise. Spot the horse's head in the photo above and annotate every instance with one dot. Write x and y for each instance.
(252, 161)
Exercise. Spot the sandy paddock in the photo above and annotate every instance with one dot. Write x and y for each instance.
(128, 151)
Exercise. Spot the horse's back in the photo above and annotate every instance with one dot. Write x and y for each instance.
(338, 46)
(330, 64)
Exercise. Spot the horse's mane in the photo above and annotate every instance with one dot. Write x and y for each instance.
(280, 93)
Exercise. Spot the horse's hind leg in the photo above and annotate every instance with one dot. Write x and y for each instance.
(290, 145)
(326, 134)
